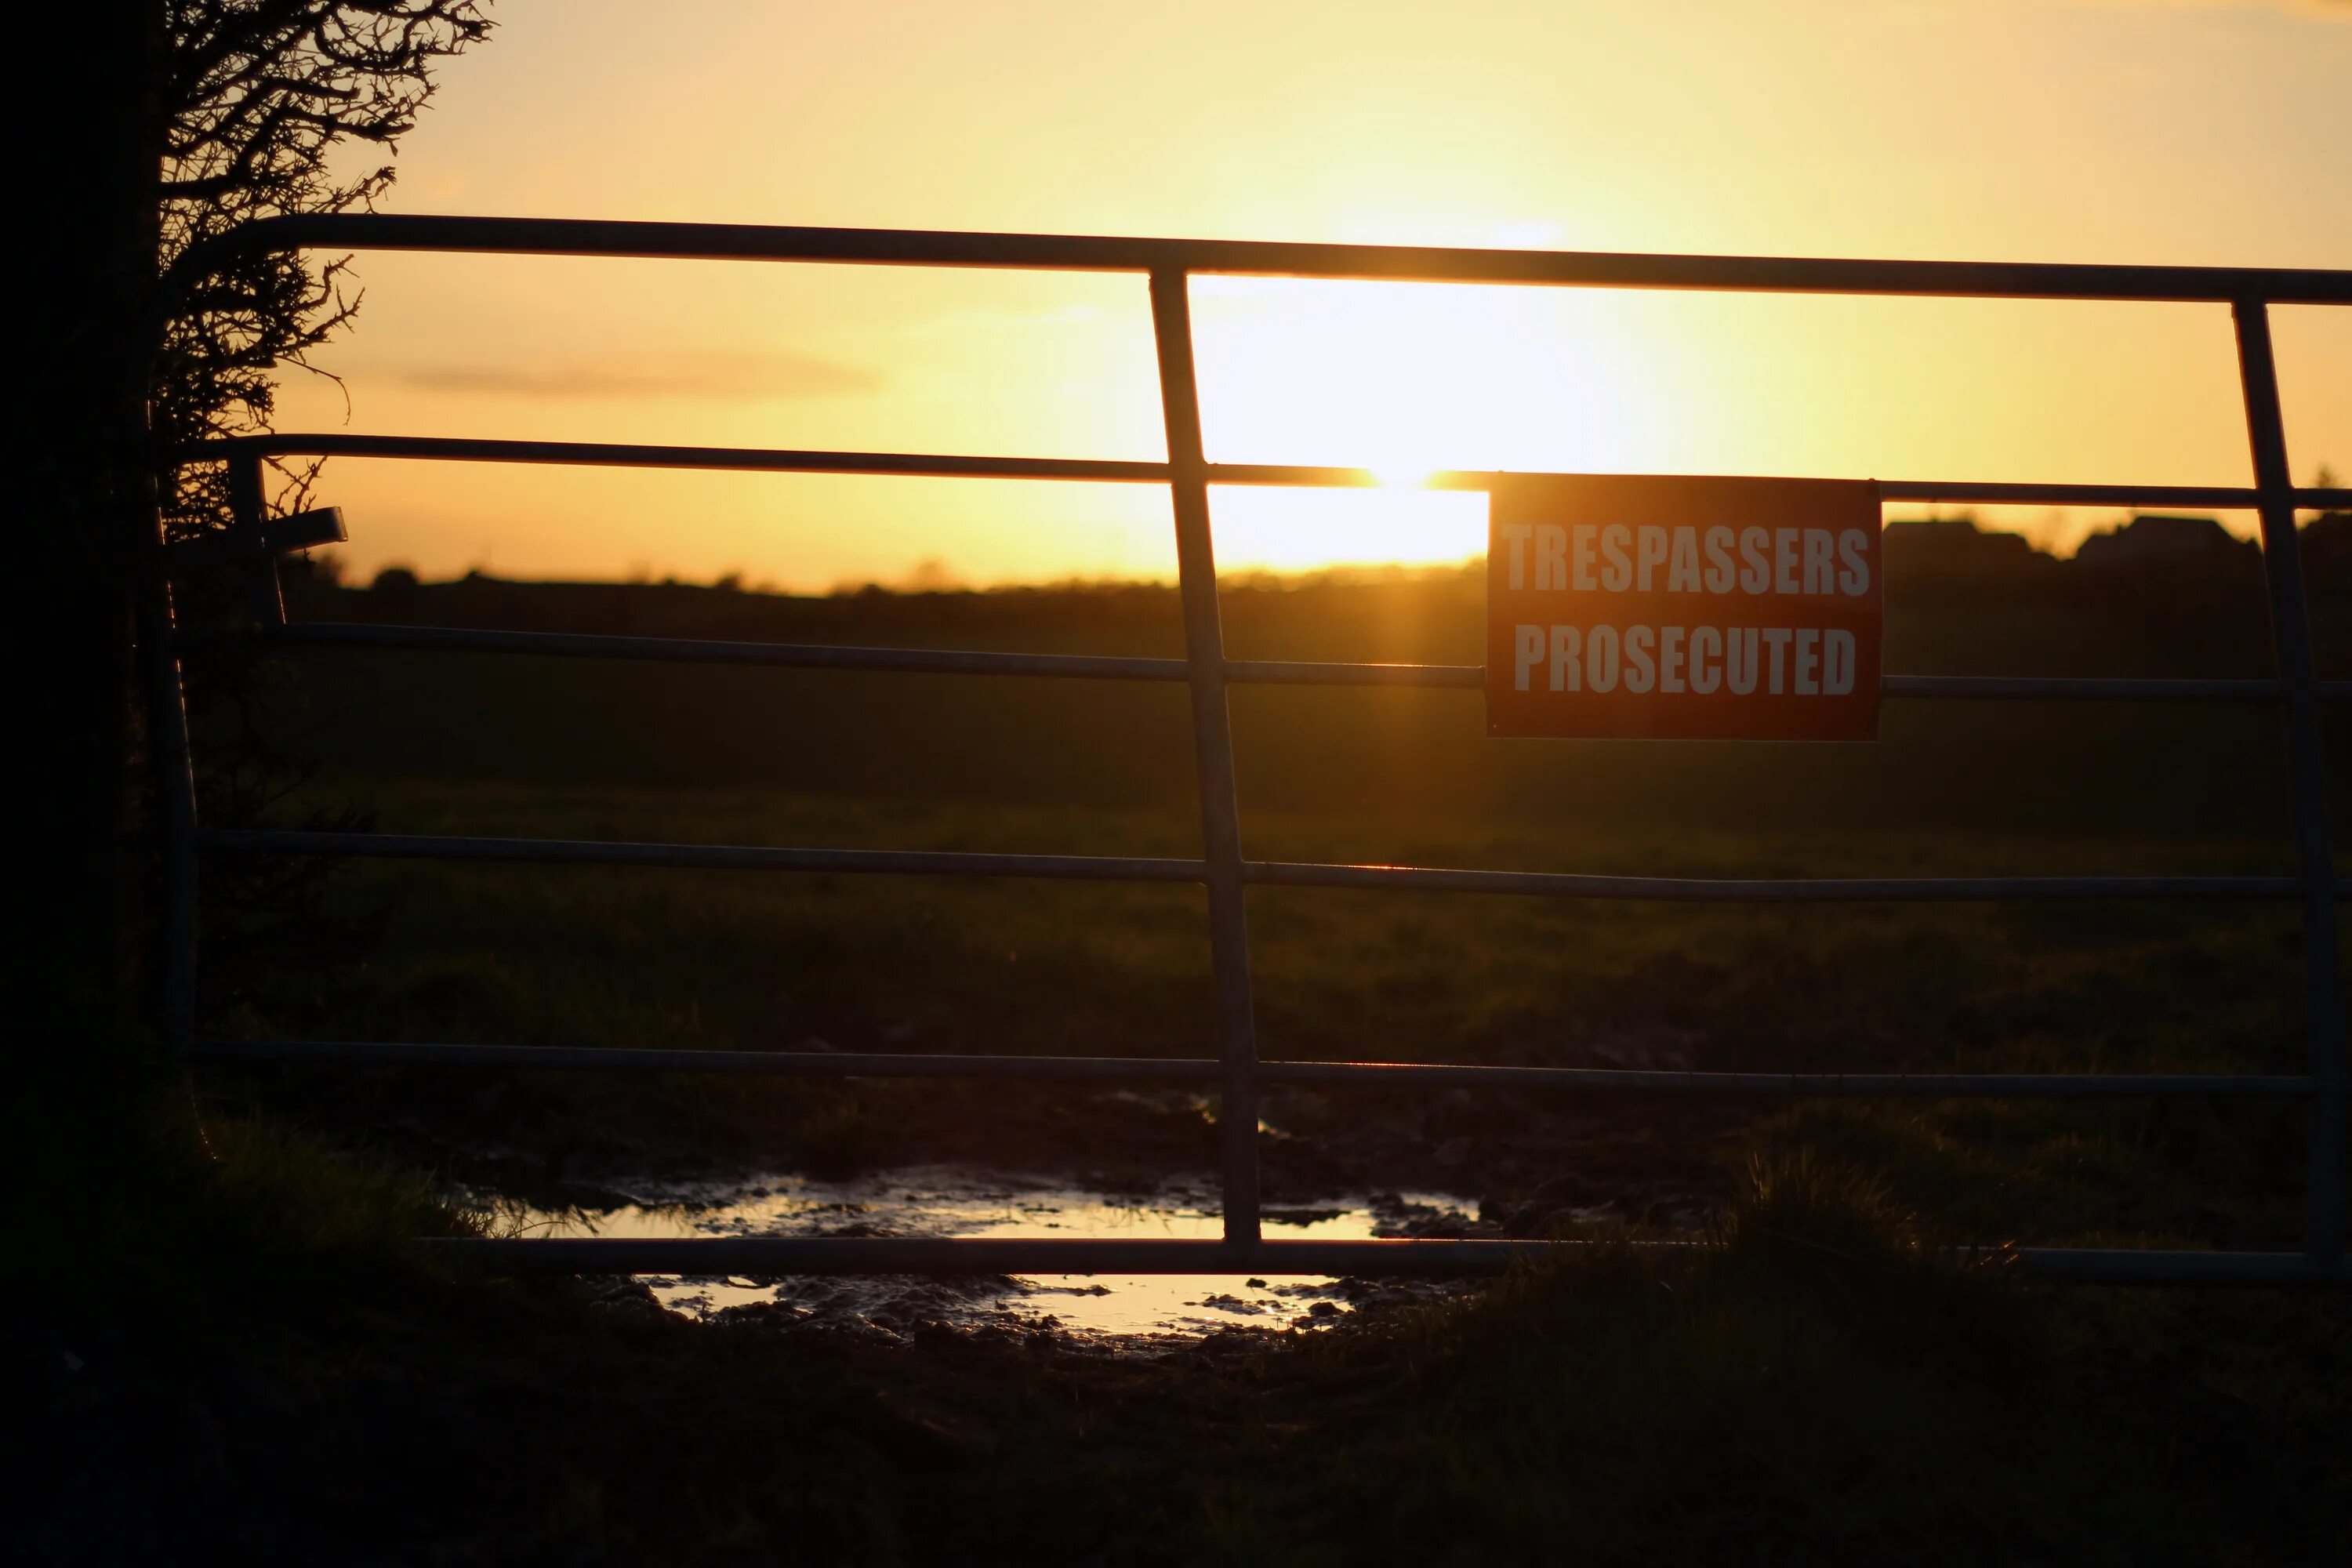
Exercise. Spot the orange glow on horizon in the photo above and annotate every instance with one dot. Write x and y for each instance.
(1516, 125)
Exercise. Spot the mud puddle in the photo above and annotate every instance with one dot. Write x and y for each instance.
(948, 1201)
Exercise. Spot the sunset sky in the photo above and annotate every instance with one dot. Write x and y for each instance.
(2139, 130)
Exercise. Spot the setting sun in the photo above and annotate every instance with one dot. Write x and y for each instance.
(1523, 127)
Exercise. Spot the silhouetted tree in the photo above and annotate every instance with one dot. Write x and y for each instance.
(261, 92)
(176, 120)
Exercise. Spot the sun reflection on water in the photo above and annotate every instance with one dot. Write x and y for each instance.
(948, 1201)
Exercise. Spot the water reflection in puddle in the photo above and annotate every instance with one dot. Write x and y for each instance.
(952, 1201)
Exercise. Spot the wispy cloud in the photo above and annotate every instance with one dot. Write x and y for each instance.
(651, 373)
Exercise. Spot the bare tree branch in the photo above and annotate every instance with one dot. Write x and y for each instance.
(260, 95)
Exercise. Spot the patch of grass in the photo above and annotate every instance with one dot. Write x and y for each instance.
(268, 1359)
(1814, 1384)
(226, 1344)
(234, 1351)
(750, 961)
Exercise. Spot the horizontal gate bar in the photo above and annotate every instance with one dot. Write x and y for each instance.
(638, 454)
(2137, 497)
(1249, 672)
(1894, 1085)
(1092, 253)
(696, 650)
(768, 1256)
(2071, 688)
(784, 1063)
(1108, 471)
(1265, 873)
(1979, 688)
(1792, 890)
(1298, 672)
(1182, 1069)
(710, 856)
(2228, 497)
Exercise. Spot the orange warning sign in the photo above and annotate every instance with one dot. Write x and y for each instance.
(1638, 607)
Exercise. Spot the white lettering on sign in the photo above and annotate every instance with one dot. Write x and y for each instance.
(1811, 562)
(1704, 659)
(1623, 605)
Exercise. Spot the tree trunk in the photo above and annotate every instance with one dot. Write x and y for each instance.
(81, 534)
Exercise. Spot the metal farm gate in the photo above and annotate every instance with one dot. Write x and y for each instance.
(1237, 1071)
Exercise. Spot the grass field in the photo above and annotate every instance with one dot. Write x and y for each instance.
(269, 1368)
(2106, 770)
(756, 961)
(267, 1373)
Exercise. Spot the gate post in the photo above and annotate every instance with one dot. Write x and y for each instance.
(264, 600)
(1212, 748)
(2306, 772)
(155, 623)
